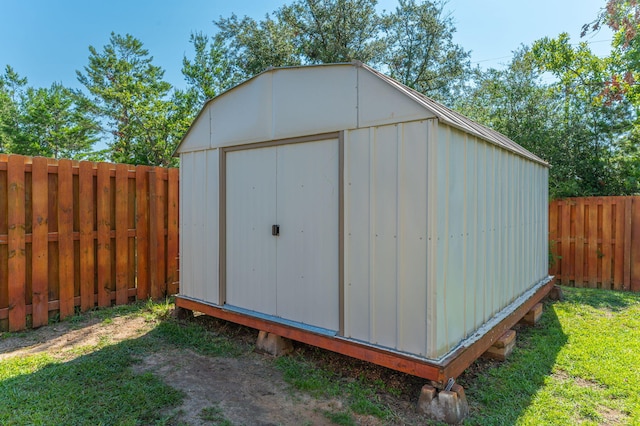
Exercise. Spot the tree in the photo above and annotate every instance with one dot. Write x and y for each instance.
(55, 122)
(12, 87)
(254, 46)
(329, 31)
(133, 102)
(414, 43)
(209, 73)
(421, 52)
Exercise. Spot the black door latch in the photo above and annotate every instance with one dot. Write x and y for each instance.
(275, 230)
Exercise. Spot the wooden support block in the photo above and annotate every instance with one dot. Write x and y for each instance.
(556, 293)
(272, 344)
(503, 347)
(533, 316)
(445, 406)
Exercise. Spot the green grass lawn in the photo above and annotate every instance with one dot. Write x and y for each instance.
(579, 365)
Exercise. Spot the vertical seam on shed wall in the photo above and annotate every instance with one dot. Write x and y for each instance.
(341, 235)
(372, 148)
(399, 281)
(465, 235)
(447, 200)
(432, 308)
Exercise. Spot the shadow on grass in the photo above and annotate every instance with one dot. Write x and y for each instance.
(498, 393)
(612, 300)
(99, 385)
(96, 388)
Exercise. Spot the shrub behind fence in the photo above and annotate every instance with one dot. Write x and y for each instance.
(75, 235)
(595, 242)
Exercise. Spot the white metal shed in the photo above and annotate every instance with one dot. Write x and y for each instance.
(332, 204)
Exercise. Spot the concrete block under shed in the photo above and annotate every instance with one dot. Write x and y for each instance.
(533, 316)
(272, 344)
(503, 347)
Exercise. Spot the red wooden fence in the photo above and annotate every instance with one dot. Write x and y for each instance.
(596, 242)
(74, 235)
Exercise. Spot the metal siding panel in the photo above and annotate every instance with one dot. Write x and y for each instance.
(211, 232)
(307, 248)
(314, 100)
(251, 210)
(243, 115)
(385, 177)
(357, 228)
(199, 136)
(186, 266)
(441, 234)
(492, 246)
(455, 291)
(412, 254)
(198, 215)
(471, 278)
(481, 239)
(433, 249)
(380, 104)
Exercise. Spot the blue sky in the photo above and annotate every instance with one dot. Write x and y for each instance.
(47, 40)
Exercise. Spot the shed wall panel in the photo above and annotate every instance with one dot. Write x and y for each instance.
(488, 216)
(384, 257)
(357, 221)
(243, 115)
(199, 136)
(386, 239)
(379, 104)
(329, 101)
(198, 225)
(211, 231)
(412, 234)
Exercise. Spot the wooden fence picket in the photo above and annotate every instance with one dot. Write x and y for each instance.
(83, 234)
(596, 241)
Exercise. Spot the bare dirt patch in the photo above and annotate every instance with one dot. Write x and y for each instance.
(247, 389)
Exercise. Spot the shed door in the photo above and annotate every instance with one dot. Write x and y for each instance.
(293, 275)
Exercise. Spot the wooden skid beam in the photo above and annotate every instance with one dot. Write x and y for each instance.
(340, 345)
(453, 366)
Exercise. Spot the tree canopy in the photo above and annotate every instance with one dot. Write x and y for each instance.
(572, 108)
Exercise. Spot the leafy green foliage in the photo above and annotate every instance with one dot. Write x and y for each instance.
(136, 106)
(50, 122)
(565, 120)
(330, 31)
(420, 49)
(414, 43)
